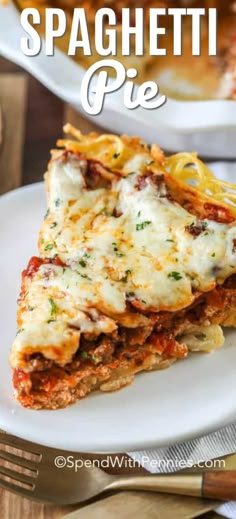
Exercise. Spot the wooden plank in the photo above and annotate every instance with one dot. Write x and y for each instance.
(80, 121)
(8, 66)
(12, 101)
(43, 120)
(15, 507)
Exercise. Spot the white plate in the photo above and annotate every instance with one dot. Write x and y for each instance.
(193, 397)
(206, 126)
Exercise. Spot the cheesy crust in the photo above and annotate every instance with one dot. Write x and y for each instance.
(133, 273)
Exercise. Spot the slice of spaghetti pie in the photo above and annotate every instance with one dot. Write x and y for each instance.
(136, 268)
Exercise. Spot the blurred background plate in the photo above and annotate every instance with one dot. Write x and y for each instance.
(208, 127)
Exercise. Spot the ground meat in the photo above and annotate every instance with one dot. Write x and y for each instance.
(218, 213)
(135, 336)
(94, 176)
(38, 362)
(109, 359)
(103, 353)
(156, 180)
(196, 230)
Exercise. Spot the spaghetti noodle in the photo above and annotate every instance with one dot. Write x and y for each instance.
(115, 152)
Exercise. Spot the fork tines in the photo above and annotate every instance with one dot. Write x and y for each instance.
(15, 479)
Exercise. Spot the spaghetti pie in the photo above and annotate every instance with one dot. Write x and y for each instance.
(136, 268)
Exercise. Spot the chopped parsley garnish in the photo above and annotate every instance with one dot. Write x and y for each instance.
(116, 250)
(53, 307)
(131, 294)
(54, 224)
(105, 211)
(57, 202)
(149, 162)
(84, 354)
(200, 336)
(49, 246)
(30, 308)
(141, 226)
(204, 225)
(116, 155)
(213, 254)
(131, 173)
(83, 263)
(139, 214)
(143, 301)
(63, 270)
(19, 331)
(46, 214)
(124, 279)
(175, 275)
(197, 228)
(51, 321)
(83, 275)
(170, 241)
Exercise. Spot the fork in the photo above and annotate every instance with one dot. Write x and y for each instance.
(52, 479)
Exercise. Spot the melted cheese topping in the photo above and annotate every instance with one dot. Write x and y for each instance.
(144, 253)
(147, 250)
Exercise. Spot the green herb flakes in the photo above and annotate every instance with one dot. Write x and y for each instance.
(116, 250)
(53, 307)
(142, 225)
(124, 279)
(20, 331)
(83, 263)
(83, 354)
(175, 275)
(84, 276)
(50, 246)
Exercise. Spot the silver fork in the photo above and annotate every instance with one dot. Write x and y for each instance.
(63, 486)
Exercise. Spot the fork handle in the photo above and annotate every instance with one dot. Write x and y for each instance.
(219, 485)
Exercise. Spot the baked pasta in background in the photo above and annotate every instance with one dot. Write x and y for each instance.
(136, 268)
(179, 77)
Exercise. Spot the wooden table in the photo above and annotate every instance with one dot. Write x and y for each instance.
(32, 118)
